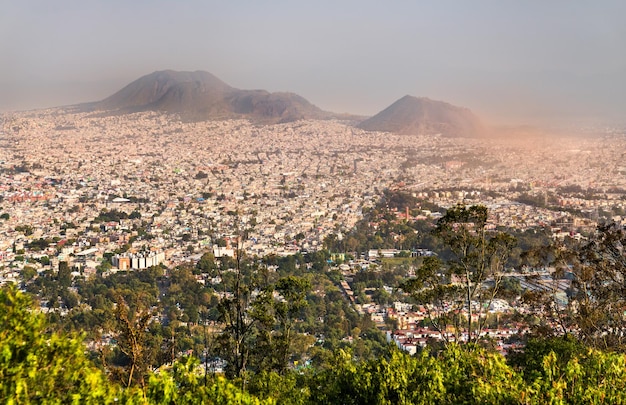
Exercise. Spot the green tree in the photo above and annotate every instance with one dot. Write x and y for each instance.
(181, 383)
(207, 264)
(530, 359)
(240, 312)
(64, 275)
(28, 273)
(288, 310)
(40, 367)
(570, 374)
(402, 379)
(132, 341)
(597, 299)
(470, 279)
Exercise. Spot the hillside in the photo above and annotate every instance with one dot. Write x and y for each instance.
(412, 115)
(200, 95)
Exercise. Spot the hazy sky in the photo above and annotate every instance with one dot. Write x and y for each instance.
(525, 61)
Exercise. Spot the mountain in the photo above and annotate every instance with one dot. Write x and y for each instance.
(200, 95)
(412, 115)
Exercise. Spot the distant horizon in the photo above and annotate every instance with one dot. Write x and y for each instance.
(559, 63)
(103, 91)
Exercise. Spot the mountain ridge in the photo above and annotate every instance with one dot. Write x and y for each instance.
(411, 115)
(201, 95)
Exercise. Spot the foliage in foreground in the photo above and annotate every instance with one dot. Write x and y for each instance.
(37, 367)
(41, 367)
(466, 375)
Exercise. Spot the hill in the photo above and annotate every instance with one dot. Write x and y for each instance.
(200, 95)
(412, 115)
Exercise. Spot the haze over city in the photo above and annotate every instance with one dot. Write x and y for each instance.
(558, 63)
(282, 203)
